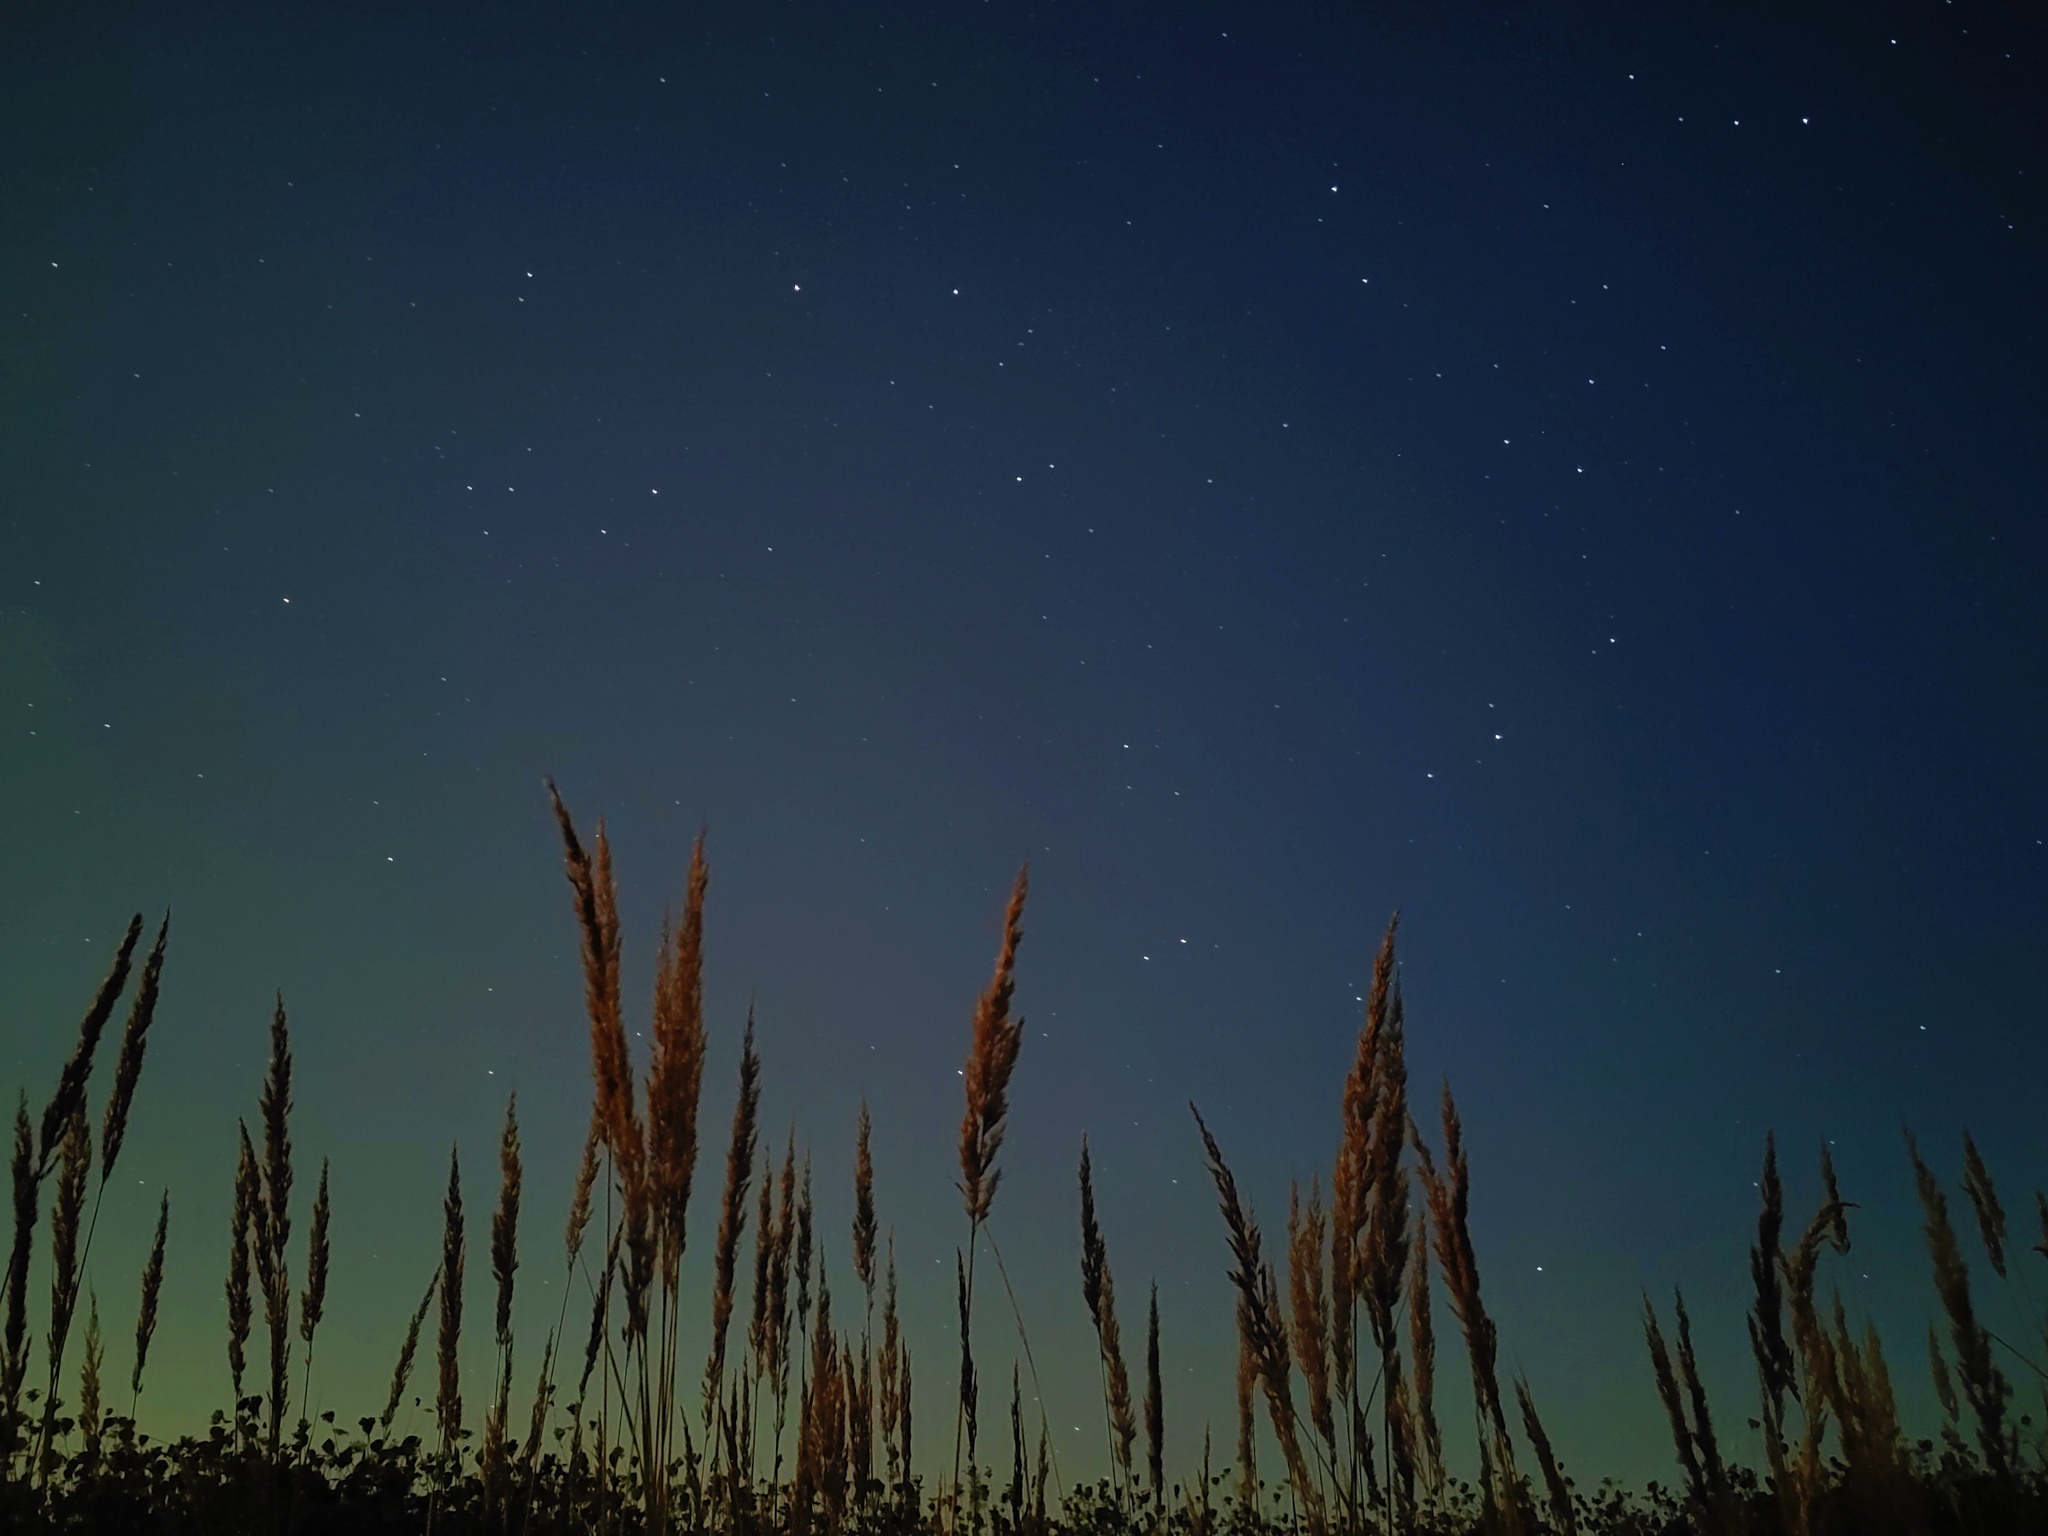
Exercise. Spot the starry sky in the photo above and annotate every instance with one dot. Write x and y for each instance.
(1572, 474)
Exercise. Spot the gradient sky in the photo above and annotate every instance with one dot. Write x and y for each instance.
(1569, 473)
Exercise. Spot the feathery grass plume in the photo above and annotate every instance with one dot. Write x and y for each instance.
(1400, 1422)
(1984, 1385)
(1261, 1325)
(675, 1074)
(505, 1222)
(1353, 1176)
(68, 1098)
(1944, 1384)
(990, 1061)
(803, 1248)
(1383, 1248)
(448, 1399)
(829, 1393)
(504, 1265)
(1044, 1469)
(1696, 1398)
(991, 1058)
(1384, 1235)
(1984, 1201)
(1449, 1193)
(969, 1390)
(1777, 1373)
(313, 1301)
(74, 1167)
(1422, 1342)
(611, 1066)
(862, 1432)
(594, 1341)
(779, 1262)
(579, 1196)
(89, 1378)
(903, 1424)
(1016, 1493)
(27, 1207)
(1310, 1304)
(860, 1424)
(1671, 1396)
(134, 1042)
(1247, 1424)
(274, 1221)
(597, 925)
(248, 1192)
(890, 1386)
(793, 1346)
(543, 1400)
(764, 1266)
(1155, 1410)
(822, 1445)
(864, 1205)
(1098, 1289)
(775, 1367)
(1564, 1519)
(1873, 1450)
(732, 1216)
(402, 1372)
(675, 1090)
(1820, 1386)
(600, 1314)
(152, 1291)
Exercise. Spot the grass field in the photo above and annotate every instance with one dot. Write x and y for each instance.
(804, 1421)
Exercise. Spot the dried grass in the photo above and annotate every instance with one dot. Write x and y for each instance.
(448, 1347)
(74, 1167)
(152, 1294)
(1851, 1468)
(1984, 1201)
(27, 1208)
(89, 1407)
(991, 1059)
(1557, 1491)
(675, 1074)
(272, 1221)
(68, 1099)
(732, 1215)
(1422, 1342)
(401, 1373)
(1449, 1195)
(864, 1204)
(1984, 1385)
(1260, 1325)
(1309, 1302)
(134, 1043)
(241, 1240)
(1155, 1409)
(1098, 1290)
(504, 1268)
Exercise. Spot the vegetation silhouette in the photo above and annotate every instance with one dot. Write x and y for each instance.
(623, 1451)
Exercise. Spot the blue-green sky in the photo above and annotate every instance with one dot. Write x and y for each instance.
(1570, 473)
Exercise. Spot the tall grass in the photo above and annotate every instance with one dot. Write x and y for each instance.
(1343, 1356)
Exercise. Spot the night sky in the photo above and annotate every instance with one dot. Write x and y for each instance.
(1572, 474)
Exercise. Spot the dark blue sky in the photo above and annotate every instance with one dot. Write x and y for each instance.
(1573, 475)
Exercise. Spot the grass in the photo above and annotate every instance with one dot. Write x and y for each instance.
(805, 1427)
